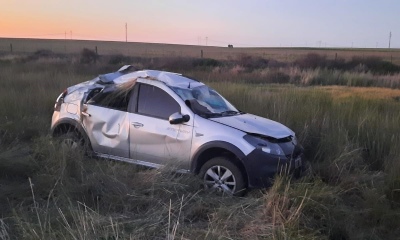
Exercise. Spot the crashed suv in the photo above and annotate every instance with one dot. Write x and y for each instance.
(155, 118)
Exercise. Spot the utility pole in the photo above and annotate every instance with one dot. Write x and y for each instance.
(390, 37)
(65, 41)
(126, 32)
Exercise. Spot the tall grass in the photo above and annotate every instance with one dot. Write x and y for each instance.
(368, 124)
(48, 192)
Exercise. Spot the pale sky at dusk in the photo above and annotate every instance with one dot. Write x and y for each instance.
(251, 23)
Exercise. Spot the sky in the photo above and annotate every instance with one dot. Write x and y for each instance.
(243, 23)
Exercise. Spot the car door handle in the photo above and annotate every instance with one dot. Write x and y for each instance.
(86, 114)
(137, 124)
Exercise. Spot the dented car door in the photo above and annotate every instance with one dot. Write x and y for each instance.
(152, 138)
(107, 124)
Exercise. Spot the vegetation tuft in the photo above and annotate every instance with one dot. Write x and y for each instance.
(89, 56)
(350, 136)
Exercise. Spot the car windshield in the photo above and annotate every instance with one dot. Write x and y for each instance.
(210, 102)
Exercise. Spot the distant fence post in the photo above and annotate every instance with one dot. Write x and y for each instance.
(201, 53)
(11, 47)
(95, 58)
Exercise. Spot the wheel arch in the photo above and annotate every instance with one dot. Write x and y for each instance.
(69, 125)
(216, 149)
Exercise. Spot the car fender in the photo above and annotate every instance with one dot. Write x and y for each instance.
(215, 144)
(71, 122)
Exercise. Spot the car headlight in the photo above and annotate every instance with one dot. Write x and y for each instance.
(264, 145)
(273, 148)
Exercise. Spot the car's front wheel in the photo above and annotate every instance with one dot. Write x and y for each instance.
(71, 140)
(221, 175)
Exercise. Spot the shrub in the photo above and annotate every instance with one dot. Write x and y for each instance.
(206, 62)
(88, 56)
(372, 64)
(276, 76)
(43, 53)
(252, 63)
(311, 60)
(338, 63)
(119, 59)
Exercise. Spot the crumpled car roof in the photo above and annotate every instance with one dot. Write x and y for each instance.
(169, 78)
(123, 76)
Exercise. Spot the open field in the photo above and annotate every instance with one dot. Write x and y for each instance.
(171, 50)
(350, 135)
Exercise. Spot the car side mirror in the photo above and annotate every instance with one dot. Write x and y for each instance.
(177, 118)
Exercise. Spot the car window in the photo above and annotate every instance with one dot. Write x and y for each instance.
(207, 97)
(117, 100)
(132, 106)
(155, 102)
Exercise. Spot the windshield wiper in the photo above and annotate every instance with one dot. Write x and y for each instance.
(230, 112)
(221, 114)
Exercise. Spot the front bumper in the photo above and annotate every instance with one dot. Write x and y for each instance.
(261, 167)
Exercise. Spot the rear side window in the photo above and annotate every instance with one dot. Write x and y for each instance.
(117, 100)
(155, 102)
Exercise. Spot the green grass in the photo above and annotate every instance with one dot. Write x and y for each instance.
(47, 192)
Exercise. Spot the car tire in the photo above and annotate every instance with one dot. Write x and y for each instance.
(222, 175)
(75, 142)
(71, 140)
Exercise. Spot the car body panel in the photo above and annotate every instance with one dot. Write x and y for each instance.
(58, 116)
(108, 130)
(208, 131)
(254, 124)
(157, 141)
(262, 167)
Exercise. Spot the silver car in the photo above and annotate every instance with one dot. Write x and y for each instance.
(156, 118)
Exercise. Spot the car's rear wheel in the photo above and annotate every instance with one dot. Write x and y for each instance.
(223, 176)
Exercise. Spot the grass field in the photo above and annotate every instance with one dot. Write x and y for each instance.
(350, 135)
(171, 50)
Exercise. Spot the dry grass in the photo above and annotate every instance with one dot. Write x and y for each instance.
(349, 134)
(342, 92)
(172, 50)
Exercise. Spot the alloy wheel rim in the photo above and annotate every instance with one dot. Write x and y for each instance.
(70, 143)
(221, 179)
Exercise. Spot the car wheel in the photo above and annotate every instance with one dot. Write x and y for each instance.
(223, 176)
(71, 140)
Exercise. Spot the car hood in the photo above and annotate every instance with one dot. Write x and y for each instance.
(250, 123)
